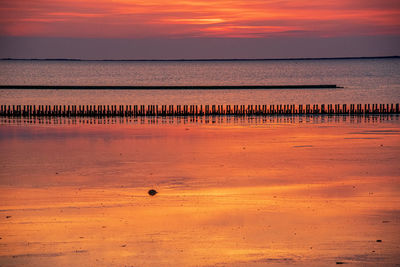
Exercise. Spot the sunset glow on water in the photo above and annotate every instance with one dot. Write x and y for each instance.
(190, 133)
(238, 192)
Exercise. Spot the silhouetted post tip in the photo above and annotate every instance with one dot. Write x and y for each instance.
(152, 192)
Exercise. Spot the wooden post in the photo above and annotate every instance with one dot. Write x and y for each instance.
(308, 108)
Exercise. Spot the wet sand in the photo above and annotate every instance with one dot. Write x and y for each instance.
(308, 192)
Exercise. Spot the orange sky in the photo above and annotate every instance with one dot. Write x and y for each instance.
(185, 18)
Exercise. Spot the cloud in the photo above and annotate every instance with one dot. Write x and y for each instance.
(183, 18)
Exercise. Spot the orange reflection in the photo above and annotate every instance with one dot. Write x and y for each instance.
(229, 194)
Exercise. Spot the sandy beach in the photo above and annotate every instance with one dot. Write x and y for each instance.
(250, 192)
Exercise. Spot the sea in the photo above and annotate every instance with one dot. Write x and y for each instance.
(365, 80)
(252, 191)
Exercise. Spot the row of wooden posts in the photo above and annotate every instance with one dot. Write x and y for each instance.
(193, 110)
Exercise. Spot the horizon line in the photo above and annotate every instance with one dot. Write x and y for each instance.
(199, 59)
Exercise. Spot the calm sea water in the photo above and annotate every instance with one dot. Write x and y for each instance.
(364, 81)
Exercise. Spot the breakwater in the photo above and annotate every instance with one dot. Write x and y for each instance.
(169, 87)
(193, 110)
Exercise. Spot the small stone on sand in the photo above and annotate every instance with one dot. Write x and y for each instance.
(379, 240)
(152, 192)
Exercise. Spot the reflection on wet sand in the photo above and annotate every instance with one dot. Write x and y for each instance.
(231, 191)
(203, 119)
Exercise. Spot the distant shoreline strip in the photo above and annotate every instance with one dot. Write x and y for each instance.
(199, 59)
(167, 87)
